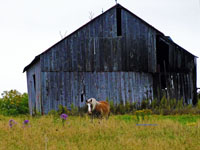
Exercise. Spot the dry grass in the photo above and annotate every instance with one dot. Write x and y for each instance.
(116, 133)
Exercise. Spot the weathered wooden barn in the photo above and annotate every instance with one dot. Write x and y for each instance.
(116, 56)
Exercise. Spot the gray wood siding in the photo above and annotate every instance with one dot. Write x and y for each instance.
(180, 60)
(66, 88)
(96, 47)
(139, 44)
(178, 85)
(34, 87)
(88, 54)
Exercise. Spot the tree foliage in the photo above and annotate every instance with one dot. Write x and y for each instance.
(13, 103)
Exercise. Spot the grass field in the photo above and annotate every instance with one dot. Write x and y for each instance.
(117, 133)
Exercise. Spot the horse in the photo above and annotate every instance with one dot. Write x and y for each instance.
(99, 109)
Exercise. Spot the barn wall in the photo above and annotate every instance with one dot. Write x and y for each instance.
(34, 86)
(177, 85)
(180, 60)
(88, 54)
(140, 44)
(66, 88)
(180, 69)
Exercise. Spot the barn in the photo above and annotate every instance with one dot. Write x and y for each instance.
(116, 56)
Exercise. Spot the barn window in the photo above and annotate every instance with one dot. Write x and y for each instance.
(34, 82)
(118, 17)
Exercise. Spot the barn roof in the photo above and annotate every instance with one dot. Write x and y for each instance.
(37, 58)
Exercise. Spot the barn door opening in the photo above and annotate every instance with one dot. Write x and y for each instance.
(83, 94)
(34, 82)
(33, 94)
(162, 55)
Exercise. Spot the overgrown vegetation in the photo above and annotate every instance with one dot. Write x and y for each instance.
(13, 103)
(118, 132)
(73, 111)
(163, 107)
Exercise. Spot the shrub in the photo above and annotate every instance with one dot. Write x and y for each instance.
(14, 103)
(164, 103)
(53, 112)
(62, 110)
(127, 107)
(145, 104)
(74, 110)
(112, 107)
(198, 104)
(154, 104)
(120, 108)
(180, 104)
(142, 113)
(82, 110)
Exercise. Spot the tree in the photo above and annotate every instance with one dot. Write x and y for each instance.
(13, 103)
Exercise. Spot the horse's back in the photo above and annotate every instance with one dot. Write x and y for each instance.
(104, 106)
(104, 102)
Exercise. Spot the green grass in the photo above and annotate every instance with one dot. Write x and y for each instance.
(117, 133)
(183, 119)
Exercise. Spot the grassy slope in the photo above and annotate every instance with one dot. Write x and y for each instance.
(117, 133)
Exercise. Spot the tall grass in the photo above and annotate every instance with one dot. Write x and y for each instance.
(117, 133)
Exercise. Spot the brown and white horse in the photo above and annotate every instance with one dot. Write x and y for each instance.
(98, 108)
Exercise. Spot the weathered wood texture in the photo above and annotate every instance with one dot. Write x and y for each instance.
(180, 60)
(88, 54)
(178, 86)
(66, 88)
(140, 44)
(96, 47)
(34, 87)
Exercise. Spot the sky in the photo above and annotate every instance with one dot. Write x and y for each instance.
(27, 28)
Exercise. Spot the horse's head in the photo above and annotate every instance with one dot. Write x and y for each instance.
(91, 102)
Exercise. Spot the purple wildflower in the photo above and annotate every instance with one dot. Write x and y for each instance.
(63, 116)
(26, 122)
(12, 123)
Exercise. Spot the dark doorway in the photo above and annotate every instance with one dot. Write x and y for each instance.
(162, 55)
(34, 82)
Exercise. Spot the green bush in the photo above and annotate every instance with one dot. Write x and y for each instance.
(120, 108)
(14, 103)
(145, 104)
(82, 111)
(127, 107)
(198, 104)
(154, 104)
(112, 107)
(74, 110)
(62, 110)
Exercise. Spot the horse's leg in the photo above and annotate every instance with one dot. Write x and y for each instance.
(92, 117)
(107, 116)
